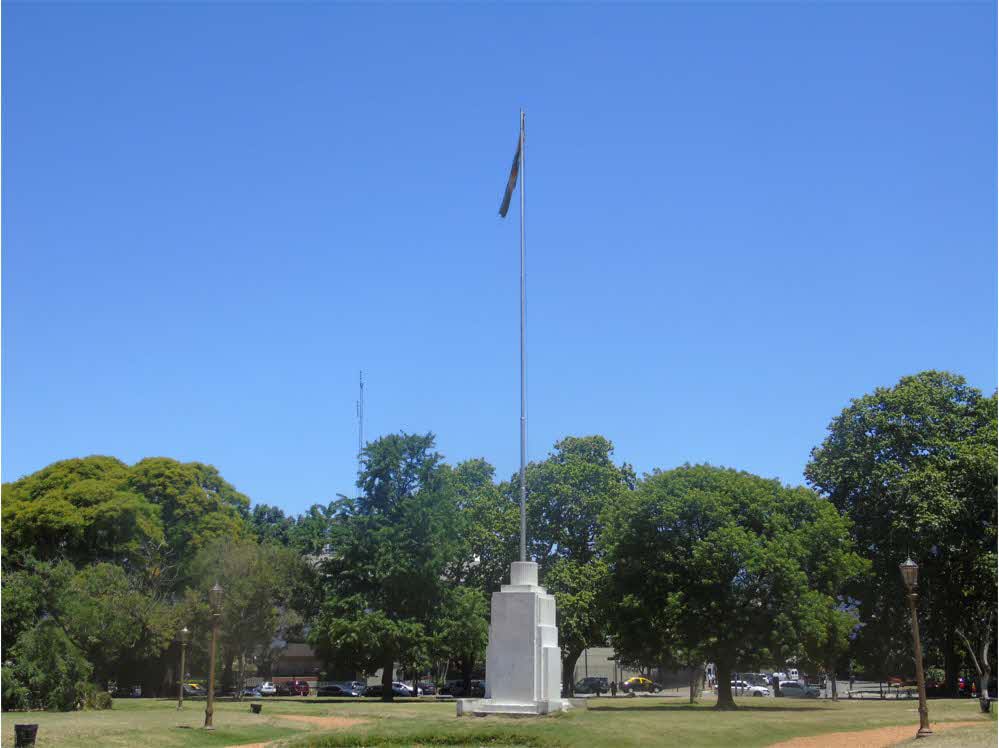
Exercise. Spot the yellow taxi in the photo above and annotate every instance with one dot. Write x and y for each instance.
(638, 684)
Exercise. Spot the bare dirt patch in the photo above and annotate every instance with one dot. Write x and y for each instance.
(325, 722)
(880, 737)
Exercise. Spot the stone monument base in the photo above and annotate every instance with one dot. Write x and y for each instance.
(523, 660)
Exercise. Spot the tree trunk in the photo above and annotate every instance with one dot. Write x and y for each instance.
(467, 663)
(835, 695)
(724, 673)
(387, 693)
(568, 670)
(952, 664)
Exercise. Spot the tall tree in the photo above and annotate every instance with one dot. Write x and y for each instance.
(391, 549)
(196, 504)
(724, 563)
(567, 494)
(257, 582)
(914, 467)
(81, 509)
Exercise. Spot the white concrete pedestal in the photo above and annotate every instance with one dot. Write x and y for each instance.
(523, 660)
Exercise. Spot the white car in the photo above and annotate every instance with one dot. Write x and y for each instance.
(741, 688)
(268, 689)
(408, 689)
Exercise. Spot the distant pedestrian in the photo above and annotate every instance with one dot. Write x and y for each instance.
(613, 688)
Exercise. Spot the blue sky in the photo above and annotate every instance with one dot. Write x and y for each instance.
(739, 217)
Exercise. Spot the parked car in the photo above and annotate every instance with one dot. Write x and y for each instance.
(127, 692)
(428, 688)
(408, 689)
(376, 691)
(742, 688)
(593, 684)
(193, 689)
(456, 688)
(637, 684)
(816, 681)
(338, 689)
(267, 689)
(293, 688)
(792, 689)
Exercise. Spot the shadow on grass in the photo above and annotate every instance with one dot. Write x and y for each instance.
(706, 708)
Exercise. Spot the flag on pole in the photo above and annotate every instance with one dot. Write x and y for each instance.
(512, 181)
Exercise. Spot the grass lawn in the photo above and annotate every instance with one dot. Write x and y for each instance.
(312, 723)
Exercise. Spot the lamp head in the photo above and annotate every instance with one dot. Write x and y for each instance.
(215, 598)
(910, 573)
(185, 635)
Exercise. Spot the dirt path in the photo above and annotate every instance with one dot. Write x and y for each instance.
(326, 722)
(877, 738)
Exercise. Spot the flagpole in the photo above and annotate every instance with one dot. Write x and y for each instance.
(523, 359)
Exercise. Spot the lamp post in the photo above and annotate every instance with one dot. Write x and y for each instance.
(215, 601)
(910, 575)
(184, 637)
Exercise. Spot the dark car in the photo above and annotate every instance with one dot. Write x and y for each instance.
(427, 688)
(293, 688)
(456, 688)
(338, 689)
(593, 684)
(376, 691)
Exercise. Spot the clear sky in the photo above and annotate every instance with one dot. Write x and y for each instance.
(738, 218)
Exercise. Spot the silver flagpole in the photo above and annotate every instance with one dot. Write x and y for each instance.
(523, 359)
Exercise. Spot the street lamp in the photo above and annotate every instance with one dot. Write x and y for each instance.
(215, 601)
(910, 575)
(184, 637)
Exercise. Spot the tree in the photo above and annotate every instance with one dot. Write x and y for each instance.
(579, 607)
(46, 671)
(270, 525)
(827, 637)
(723, 563)
(313, 531)
(461, 631)
(79, 509)
(390, 551)
(567, 495)
(196, 504)
(256, 579)
(914, 468)
(490, 527)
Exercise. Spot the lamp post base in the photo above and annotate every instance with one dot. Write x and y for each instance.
(924, 732)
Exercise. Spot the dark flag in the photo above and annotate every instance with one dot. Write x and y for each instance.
(512, 181)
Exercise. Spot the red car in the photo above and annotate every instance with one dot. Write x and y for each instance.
(293, 688)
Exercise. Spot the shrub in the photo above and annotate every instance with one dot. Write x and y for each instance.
(47, 671)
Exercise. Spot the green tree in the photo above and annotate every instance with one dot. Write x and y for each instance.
(257, 581)
(390, 553)
(490, 527)
(914, 467)
(580, 597)
(196, 504)
(723, 563)
(461, 631)
(45, 671)
(79, 509)
(270, 525)
(567, 495)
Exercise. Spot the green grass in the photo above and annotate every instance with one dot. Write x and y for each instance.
(620, 723)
